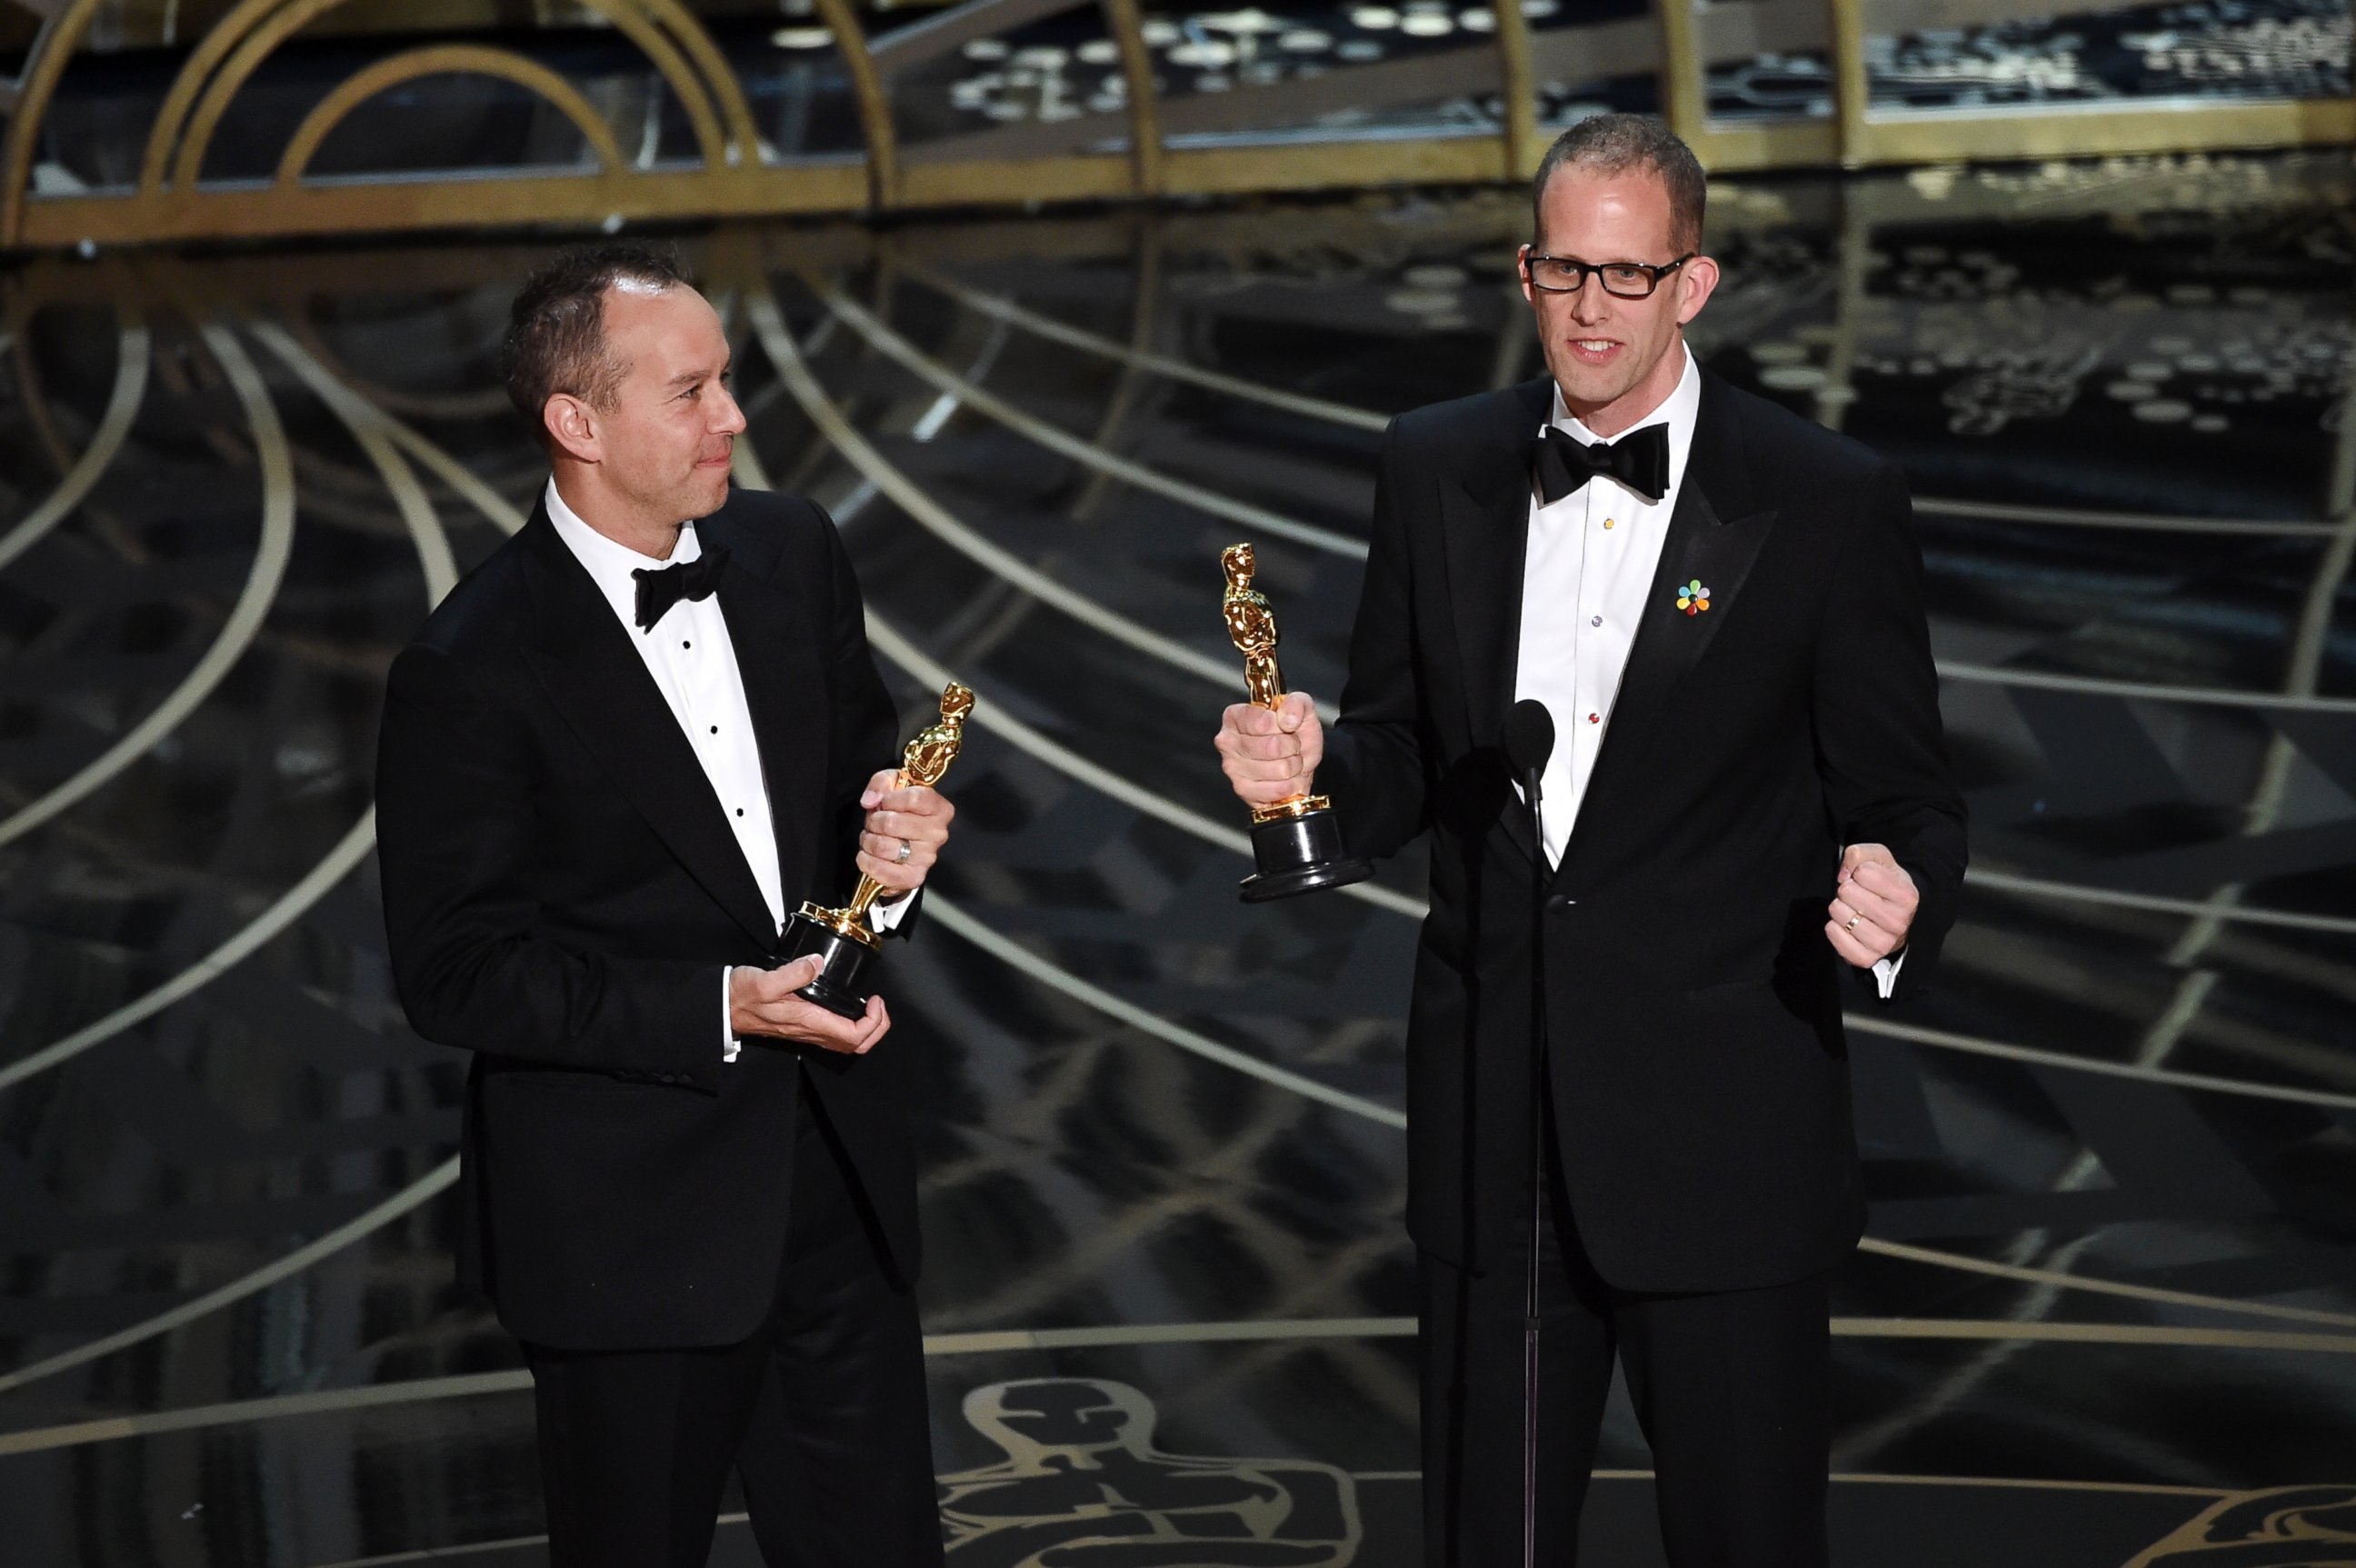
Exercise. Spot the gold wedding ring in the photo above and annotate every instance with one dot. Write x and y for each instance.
(1853, 919)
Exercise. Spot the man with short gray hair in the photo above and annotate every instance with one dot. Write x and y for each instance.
(1748, 816)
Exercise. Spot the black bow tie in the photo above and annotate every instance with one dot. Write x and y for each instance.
(1640, 460)
(659, 587)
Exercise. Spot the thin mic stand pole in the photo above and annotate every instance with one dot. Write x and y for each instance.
(1537, 1179)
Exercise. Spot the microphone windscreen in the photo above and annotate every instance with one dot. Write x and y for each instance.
(1529, 737)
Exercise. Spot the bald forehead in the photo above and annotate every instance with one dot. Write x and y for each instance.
(1582, 207)
(672, 334)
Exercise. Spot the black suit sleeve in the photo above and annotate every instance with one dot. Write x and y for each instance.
(456, 835)
(1374, 766)
(1879, 747)
(866, 725)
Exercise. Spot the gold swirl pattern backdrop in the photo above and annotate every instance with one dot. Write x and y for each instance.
(963, 106)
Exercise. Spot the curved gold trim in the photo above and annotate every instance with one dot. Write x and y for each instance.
(1062, 442)
(45, 63)
(440, 570)
(443, 59)
(34, 398)
(1126, 22)
(777, 342)
(727, 94)
(273, 457)
(240, 624)
(203, 60)
(1145, 287)
(1005, 309)
(370, 431)
(252, 33)
(477, 402)
(113, 427)
(357, 1229)
(874, 102)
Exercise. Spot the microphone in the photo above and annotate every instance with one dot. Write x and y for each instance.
(1529, 741)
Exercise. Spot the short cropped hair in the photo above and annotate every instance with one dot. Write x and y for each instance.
(556, 329)
(1614, 143)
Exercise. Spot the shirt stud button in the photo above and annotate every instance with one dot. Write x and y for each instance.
(1609, 523)
(1591, 719)
(1597, 621)
(740, 810)
(687, 645)
(715, 729)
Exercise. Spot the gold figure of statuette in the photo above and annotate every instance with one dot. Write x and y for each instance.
(925, 759)
(1251, 623)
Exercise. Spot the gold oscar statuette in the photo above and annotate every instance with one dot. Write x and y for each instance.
(846, 944)
(1297, 840)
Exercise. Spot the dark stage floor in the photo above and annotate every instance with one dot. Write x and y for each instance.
(2108, 1303)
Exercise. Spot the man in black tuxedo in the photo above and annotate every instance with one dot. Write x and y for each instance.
(609, 758)
(1721, 605)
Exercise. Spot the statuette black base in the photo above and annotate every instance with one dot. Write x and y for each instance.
(844, 983)
(1300, 854)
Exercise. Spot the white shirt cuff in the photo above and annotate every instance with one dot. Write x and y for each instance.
(729, 1044)
(1885, 972)
(882, 917)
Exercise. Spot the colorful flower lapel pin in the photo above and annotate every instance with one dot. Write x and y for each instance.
(1693, 598)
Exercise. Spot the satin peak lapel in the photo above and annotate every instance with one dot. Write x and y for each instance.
(601, 686)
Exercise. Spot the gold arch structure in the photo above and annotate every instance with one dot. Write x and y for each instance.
(734, 177)
(446, 60)
(237, 46)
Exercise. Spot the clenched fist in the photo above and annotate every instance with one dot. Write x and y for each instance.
(1271, 754)
(914, 815)
(1872, 907)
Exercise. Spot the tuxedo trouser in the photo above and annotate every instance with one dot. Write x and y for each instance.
(1732, 1390)
(822, 1412)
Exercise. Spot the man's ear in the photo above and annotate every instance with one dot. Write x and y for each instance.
(571, 423)
(1522, 272)
(1697, 280)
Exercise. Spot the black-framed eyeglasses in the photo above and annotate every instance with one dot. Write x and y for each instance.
(1626, 280)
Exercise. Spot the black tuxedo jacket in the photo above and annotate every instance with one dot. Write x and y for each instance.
(1695, 1054)
(563, 891)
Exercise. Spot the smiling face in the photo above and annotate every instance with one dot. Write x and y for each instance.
(657, 454)
(1615, 359)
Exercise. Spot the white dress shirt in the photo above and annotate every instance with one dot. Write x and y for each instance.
(1584, 583)
(694, 666)
(1585, 579)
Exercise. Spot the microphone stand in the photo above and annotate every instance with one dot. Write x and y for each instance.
(1538, 870)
